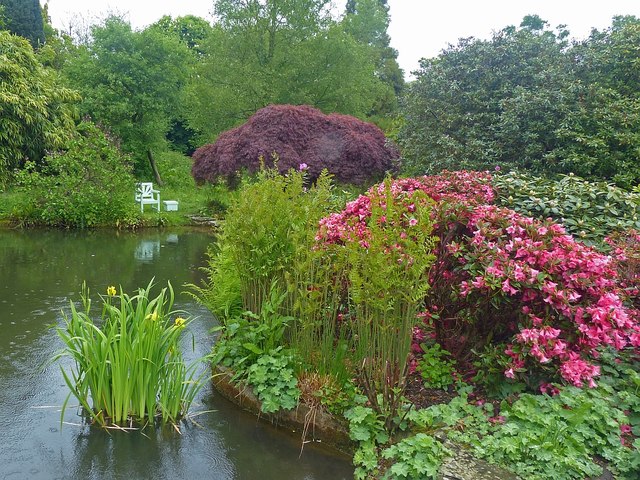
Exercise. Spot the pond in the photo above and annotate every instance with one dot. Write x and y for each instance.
(40, 273)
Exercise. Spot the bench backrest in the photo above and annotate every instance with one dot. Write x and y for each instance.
(145, 191)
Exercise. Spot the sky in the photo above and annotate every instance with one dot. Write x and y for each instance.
(419, 28)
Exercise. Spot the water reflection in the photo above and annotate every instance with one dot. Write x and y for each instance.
(40, 272)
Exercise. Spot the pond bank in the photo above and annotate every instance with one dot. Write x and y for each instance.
(333, 433)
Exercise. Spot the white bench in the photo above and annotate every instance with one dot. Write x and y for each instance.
(146, 195)
(170, 205)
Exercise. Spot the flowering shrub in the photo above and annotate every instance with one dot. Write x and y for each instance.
(503, 278)
(471, 188)
(553, 300)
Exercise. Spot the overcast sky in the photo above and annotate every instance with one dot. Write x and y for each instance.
(419, 28)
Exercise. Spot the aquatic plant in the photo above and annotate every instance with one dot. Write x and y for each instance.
(128, 366)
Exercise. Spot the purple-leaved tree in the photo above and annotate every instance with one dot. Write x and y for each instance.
(351, 150)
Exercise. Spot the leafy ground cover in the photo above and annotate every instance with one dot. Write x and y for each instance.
(421, 311)
(91, 187)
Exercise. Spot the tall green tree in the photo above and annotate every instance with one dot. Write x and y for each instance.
(36, 112)
(274, 52)
(368, 21)
(602, 135)
(131, 83)
(24, 18)
(191, 30)
(487, 103)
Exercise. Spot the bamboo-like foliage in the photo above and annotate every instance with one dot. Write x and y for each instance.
(316, 293)
(262, 231)
(356, 300)
(388, 282)
(129, 366)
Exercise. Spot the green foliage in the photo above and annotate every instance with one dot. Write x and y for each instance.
(279, 52)
(368, 21)
(191, 30)
(487, 102)
(252, 347)
(601, 137)
(129, 364)
(418, 456)
(388, 277)
(131, 82)
(367, 428)
(557, 436)
(220, 291)
(37, 112)
(436, 366)
(459, 420)
(525, 99)
(588, 210)
(176, 170)
(271, 219)
(90, 184)
(245, 338)
(274, 382)
(24, 18)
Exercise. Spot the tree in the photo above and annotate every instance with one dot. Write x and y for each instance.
(24, 18)
(131, 83)
(528, 99)
(298, 137)
(36, 112)
(88, 184)
(481, 103)
(602, 135)
(278, 52)
(368, 21)
(191, 30)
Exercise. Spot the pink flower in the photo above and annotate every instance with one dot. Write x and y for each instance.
(497, 419)
(413, 222)
(625, 429)
(302, 167)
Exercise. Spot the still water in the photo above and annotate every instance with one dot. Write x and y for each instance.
(40, 273)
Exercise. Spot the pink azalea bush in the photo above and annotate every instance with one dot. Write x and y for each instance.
(507, 279)
(561, 300)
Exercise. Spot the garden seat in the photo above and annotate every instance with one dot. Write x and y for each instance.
(147, 195)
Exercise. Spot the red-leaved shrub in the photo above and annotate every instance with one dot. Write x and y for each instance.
(501, 278)
(351, 150)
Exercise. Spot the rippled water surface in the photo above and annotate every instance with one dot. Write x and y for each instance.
(40, 273)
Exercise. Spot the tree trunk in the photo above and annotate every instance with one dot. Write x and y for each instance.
(154, 168)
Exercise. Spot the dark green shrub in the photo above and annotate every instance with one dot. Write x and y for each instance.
(90, 184)
(588, 210)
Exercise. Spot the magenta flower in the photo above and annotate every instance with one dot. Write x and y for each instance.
(303, 167)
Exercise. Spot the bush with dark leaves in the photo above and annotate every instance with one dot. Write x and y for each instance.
(298, 137)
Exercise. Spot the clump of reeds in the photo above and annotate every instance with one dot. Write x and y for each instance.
(128, 367)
